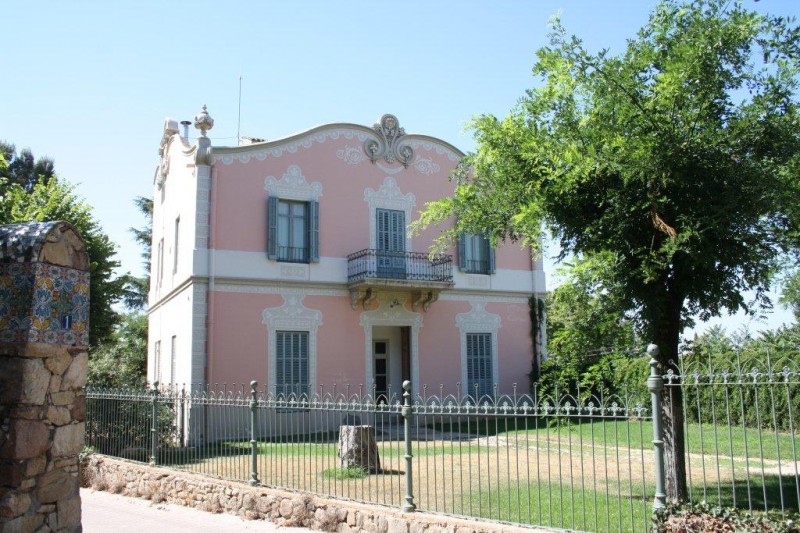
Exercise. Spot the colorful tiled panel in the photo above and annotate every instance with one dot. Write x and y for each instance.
(44, 303)
(22, 242)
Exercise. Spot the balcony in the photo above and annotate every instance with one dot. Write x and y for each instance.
(369, 271)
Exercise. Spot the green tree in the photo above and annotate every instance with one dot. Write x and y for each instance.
(136, 288)
(678, 158)
(790, 297)
(583, 316)
(586, 331)
(55, 200)
(121, 361)
(22, 168)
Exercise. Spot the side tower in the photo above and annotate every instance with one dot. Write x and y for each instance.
(179, 268)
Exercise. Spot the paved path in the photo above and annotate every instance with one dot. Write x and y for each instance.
(104, 512)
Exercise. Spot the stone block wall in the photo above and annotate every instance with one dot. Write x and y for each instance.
(260, 503)
(44, 302)
(42, 413)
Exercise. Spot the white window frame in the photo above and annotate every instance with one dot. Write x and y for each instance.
(477, 320)
(292, 315)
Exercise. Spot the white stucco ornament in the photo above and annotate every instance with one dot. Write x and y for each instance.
(203, 121)
(390, 144)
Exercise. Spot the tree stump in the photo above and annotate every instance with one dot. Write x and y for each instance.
(357, 448)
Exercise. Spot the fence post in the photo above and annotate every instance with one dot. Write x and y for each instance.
(409, 506)
(655, 384)
(182, 418)
(154, 425)
(253, 442)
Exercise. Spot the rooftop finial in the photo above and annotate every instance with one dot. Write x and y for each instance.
(203, 121)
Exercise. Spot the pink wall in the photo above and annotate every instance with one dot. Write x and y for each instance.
(239, 352)
(240, 208)
(340, 338)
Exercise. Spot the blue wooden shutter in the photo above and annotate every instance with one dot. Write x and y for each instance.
(398, 229)
(313, 230)
(462, 248)
(491, 257)
(272, 227)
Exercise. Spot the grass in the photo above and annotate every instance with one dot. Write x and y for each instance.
(705, 439)
(561, 505)
(348, 472)
(526, 471)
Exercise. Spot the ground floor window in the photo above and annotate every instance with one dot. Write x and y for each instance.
(291, 362)
(479, 364)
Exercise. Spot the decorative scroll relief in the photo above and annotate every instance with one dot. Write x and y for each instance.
(425, 166)
(478, 321)
(293, 186)
(351, 155)
(479, 281)
(388, 196)
(389, 314)
(441, 150)
(292, 316)
(390, 144)
(294, 272)
(291, 146)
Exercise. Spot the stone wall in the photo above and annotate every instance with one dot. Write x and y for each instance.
(44, 325)
(259, 503)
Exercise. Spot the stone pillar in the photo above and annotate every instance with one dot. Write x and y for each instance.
(44, 335)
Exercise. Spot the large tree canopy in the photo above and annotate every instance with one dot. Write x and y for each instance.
(677, 159)
(52, 199)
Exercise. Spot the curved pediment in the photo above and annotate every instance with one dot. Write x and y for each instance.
(384, 142)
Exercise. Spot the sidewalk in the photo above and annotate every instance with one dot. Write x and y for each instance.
(104, 512)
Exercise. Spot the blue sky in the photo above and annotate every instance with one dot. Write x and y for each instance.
(89, 83)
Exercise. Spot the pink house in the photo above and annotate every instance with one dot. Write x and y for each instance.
(289, 262)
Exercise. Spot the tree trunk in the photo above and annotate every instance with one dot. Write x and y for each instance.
(667, 337)
(357, 448)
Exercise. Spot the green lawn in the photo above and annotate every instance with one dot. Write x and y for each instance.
(705, 439)
(561, 505)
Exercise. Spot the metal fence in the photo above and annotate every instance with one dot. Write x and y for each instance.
(585, 461)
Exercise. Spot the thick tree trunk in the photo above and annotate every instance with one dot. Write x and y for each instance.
(357, 448)
(667, 337)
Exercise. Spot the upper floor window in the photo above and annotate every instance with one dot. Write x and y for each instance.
(175, 250)
(475, 254)
(160, 262)
(293, 230)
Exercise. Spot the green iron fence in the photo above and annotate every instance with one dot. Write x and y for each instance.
(584, 462)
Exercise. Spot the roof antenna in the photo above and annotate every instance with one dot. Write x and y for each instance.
(239, 121)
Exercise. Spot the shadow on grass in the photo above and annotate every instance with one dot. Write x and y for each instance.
(773, 492)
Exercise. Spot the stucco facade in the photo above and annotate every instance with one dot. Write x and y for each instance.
(288, 262)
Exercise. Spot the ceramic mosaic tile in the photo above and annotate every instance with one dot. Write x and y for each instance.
(44, 303)
(22, 242)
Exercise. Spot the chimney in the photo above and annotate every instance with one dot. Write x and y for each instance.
(185, 124)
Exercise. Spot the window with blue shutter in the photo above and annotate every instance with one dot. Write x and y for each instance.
(479, 365)
(475, 254)
(291, 362)
(292, 230)
(391, 243)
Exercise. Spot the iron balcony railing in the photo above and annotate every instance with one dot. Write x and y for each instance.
(410, 266)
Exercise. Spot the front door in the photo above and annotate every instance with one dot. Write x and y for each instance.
(380, 355)
(391, 243)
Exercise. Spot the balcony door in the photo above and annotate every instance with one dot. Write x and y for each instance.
(391, 243)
